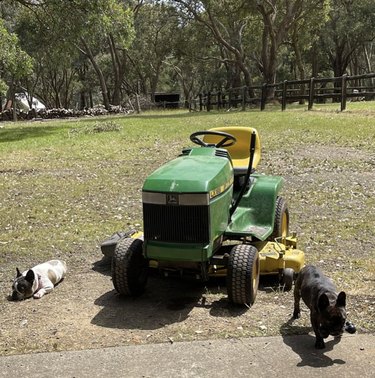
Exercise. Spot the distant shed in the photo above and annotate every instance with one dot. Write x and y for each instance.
(167, 100)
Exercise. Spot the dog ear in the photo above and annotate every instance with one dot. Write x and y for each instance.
(18, 273)
(323, 302)
(30, 276)
(341, 299)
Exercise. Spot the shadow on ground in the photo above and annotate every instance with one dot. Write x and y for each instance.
(165, 301)
(14, 134)
(304, 346)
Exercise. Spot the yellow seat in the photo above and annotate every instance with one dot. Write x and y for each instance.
(240, 151)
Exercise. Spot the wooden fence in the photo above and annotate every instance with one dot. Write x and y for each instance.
(313, 90)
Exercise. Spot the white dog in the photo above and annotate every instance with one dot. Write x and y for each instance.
(39, 280)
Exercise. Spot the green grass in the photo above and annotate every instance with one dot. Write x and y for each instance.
(67, 184)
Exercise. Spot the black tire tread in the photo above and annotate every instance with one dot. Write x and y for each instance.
(281, 207)
(240, 274)
(126, 263)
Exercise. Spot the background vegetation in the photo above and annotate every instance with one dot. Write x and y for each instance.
(78, 54)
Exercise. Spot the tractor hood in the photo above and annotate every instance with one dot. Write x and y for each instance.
(197, 170)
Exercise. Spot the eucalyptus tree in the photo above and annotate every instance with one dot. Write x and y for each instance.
(94, 28)
(227, 21)
(349, 31)
(156, 29)
(14, 62)
(255, 29)
(284, 21)
(194, 62)
(304, 35)
(54, 77)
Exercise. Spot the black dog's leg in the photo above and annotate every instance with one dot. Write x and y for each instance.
(297, 298)
(319, 341)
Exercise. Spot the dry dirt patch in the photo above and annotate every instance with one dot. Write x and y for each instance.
(85, 312)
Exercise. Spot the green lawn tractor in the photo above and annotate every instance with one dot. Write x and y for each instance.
(209, 213)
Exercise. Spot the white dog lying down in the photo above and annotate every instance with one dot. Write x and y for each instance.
(39, 280)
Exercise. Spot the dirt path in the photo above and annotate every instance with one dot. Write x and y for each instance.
(84, 311)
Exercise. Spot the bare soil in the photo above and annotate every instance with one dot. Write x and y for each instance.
(329, 205)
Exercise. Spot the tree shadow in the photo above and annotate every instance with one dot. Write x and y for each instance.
(165, 301)
(303, 344)
(18, 133)
(165, 115)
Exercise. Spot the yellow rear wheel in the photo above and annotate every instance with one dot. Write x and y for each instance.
(281, 223)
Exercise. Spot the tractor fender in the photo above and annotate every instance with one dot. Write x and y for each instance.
(255, 214)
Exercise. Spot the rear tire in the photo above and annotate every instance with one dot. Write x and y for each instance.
(243, 274)
(129, 267)
(281, 223)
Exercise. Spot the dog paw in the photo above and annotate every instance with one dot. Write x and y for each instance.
(296, 314)
(319, 344)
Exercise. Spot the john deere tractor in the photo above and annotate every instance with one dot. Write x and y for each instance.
(209, 213)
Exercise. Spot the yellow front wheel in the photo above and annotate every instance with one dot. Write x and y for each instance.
(243, 274)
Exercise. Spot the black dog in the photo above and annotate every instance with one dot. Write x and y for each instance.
(327, 309)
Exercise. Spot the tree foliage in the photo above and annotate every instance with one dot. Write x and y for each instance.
(14, 62)
(80, 53)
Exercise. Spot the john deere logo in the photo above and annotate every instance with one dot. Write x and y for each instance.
(172, 199)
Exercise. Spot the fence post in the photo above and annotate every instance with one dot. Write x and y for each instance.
(344, 79)
(208, 101)
(263, 97)
(283, 99)
(244, 90)
(311, 94)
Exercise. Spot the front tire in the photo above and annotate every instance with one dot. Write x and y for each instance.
(129, 267)
(243, 274)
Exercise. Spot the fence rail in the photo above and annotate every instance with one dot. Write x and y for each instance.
(313, 90)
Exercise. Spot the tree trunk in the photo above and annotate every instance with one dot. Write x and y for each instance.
(299, 63)
(102, 82)
(368, 64)
(214, 26)
(117, 71)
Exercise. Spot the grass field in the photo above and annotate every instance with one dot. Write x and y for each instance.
(66, 185)
(73, 182)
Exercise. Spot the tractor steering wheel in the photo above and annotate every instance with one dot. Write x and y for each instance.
(228, 139)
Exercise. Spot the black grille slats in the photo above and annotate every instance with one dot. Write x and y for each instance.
(176, 224)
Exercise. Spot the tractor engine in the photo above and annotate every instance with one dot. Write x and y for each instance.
(186, 206)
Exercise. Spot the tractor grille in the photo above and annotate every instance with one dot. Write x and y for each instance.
(176, 224)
